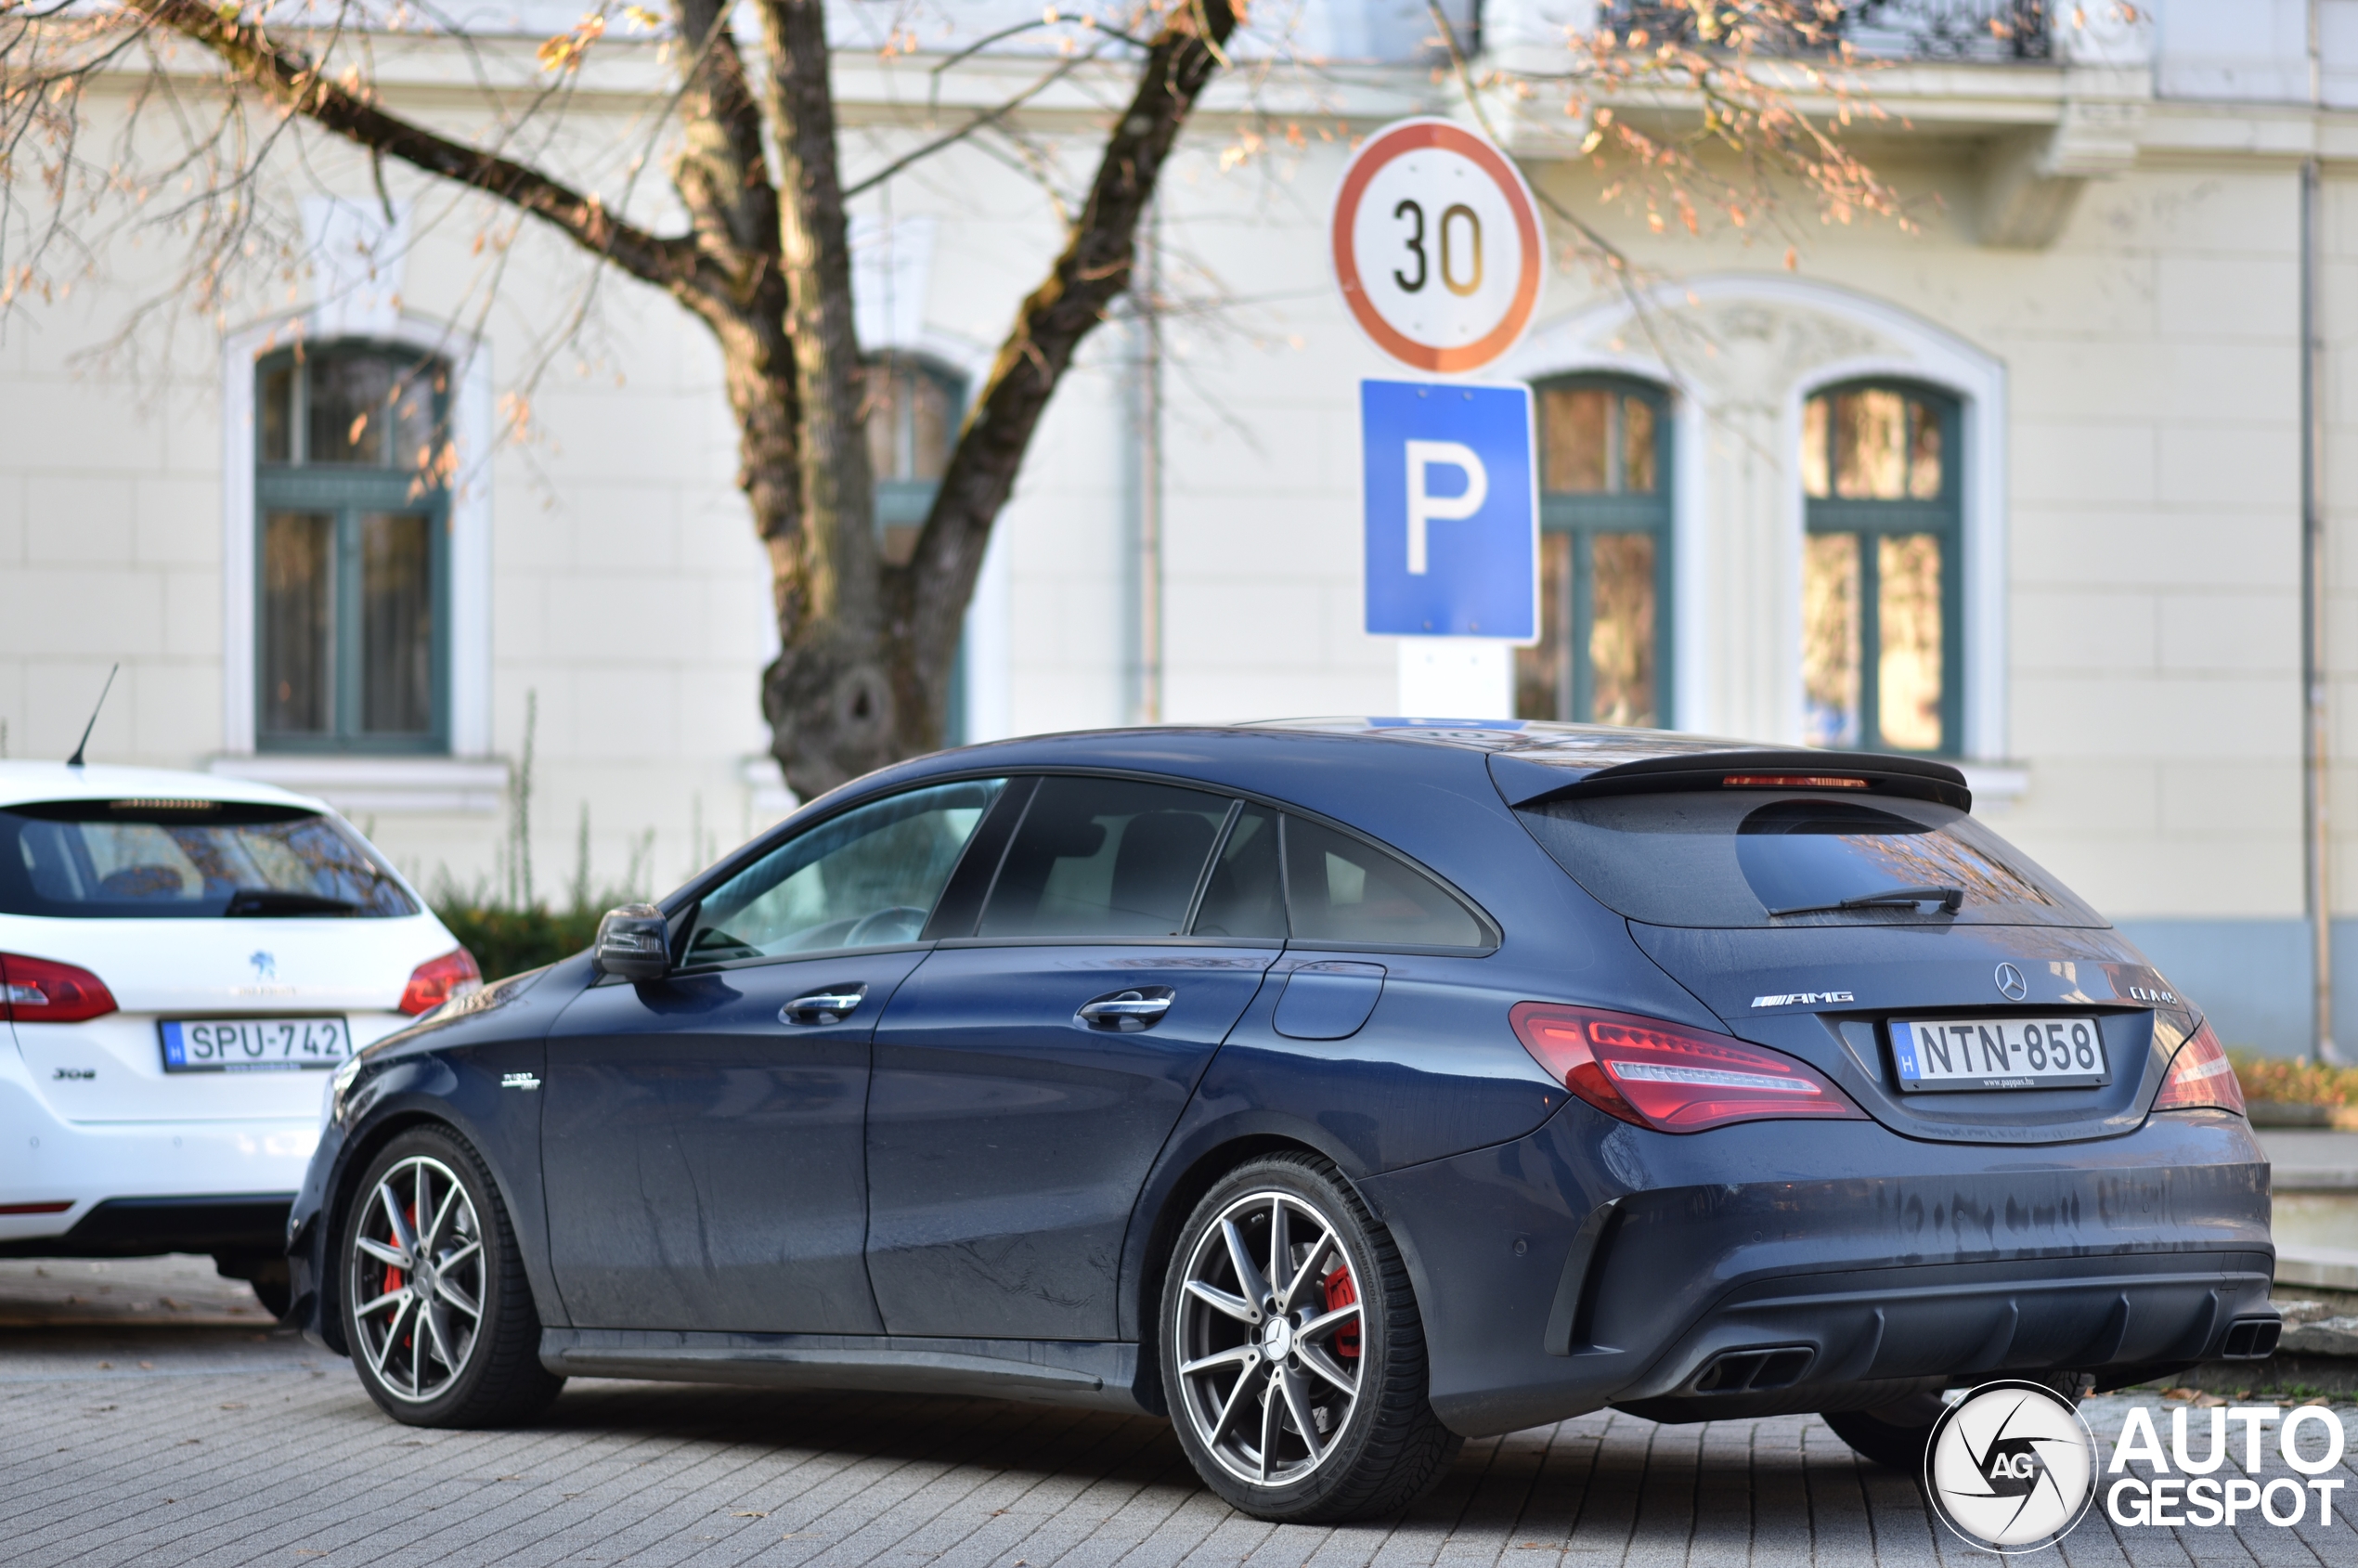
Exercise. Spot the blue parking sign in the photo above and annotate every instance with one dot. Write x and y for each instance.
(1452, 510)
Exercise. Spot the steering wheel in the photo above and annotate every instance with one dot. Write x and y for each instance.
(872, 928)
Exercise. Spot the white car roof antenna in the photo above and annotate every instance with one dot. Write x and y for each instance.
(76, 761)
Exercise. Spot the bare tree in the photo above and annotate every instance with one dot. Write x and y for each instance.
(764, 262)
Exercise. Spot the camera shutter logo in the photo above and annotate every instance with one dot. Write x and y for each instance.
(2011, 1466)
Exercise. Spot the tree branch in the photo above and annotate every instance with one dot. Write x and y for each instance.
(950, 139)
(926, 599)
(288, 77)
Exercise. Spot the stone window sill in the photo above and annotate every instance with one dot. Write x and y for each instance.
(358, 785)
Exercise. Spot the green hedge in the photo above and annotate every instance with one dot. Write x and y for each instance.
(508, 941)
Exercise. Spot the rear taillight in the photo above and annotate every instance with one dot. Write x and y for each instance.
(1668, 1077)
(2201, 1078)
(42, 991)
(438, 979)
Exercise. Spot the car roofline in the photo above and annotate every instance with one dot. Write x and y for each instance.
(27, 782)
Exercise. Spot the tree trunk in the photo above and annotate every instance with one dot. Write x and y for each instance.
(831, 708)
(862, 678)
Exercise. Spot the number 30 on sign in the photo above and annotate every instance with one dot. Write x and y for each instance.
(1437, 246)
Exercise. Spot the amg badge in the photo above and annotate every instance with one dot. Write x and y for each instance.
(1803, 999)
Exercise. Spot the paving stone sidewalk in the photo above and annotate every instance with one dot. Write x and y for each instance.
(161, 1443)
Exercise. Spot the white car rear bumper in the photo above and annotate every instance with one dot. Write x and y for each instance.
(45, 1160)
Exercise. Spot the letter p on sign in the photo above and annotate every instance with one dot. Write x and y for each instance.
(1452, 510)
(1423, 506)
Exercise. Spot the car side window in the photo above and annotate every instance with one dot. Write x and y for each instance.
(1246, 895)
(866, 878)
(1344, 889)
(1104, 857)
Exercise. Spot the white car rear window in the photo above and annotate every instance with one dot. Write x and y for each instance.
(147, 859)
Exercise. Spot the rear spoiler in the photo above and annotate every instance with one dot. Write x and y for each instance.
(1525, 783)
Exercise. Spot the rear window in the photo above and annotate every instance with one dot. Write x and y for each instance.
(1733, 858)
(193, 859)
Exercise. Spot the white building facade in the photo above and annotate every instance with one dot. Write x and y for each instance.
(2025, 488)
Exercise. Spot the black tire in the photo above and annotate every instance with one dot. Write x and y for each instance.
(486, 1374)
(275, 1292)
(268, 1277)
(1377, 1446)
(1894, 1436)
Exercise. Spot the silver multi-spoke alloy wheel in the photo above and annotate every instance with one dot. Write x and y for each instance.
(1267, 1330)
(418, 1282)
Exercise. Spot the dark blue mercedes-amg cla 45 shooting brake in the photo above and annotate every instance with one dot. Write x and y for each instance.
(1336, 1089)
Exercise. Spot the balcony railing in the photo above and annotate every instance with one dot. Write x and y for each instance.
(1997, 30)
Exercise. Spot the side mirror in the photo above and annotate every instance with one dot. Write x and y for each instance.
(634, 942)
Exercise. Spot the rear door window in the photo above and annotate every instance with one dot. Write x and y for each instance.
(1726, 858)
(1245, 898)
(1104, 857)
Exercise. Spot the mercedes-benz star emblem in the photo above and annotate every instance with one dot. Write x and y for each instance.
(2011, 983)
(2011, 1466)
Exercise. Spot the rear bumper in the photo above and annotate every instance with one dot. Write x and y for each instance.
(1864, 1262)
(228, 1224)
(56, 1176)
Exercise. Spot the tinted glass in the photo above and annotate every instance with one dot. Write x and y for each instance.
(298, 623)
(1908, 616)
(111, 859)
(1343, 890)
(1884, 445)
(1621, 629)
(1104, 857)
(867, 878)
(1246, 895)
(1596, 441)
(1832, 635)
(396, 623)
(1726, 858)
(373, 409)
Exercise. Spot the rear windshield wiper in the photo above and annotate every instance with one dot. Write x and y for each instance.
(266, 901)
(1949, 900)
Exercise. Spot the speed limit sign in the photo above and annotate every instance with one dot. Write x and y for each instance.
(1437, 246)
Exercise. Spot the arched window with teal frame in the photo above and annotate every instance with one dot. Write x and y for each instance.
(1883, 599)
(352, 551)
(1603, 655)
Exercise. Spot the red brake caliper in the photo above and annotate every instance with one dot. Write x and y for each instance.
(1342, 1292)
(394, 1278)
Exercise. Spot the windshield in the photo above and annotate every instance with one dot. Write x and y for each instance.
(188, 859)
(1731, 858)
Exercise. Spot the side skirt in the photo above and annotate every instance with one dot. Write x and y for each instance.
(1094, 1374)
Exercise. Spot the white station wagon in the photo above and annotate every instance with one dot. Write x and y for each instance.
(185, 961)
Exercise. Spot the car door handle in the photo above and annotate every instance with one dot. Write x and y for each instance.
(830, 1006)
(1127, 1011)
